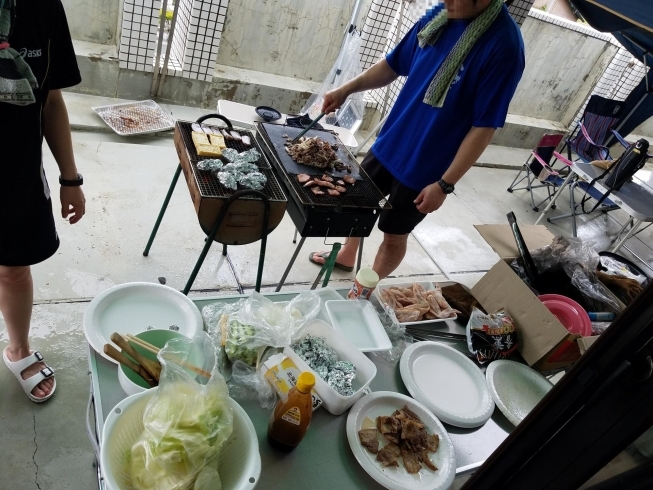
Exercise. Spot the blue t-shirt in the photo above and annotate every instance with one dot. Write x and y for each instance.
(418, 142)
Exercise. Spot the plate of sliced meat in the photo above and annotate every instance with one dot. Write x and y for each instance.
(400, 443)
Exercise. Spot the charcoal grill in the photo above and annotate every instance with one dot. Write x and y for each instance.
(230, 217)
(352, 215)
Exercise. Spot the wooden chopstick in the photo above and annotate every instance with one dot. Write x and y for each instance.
(155, 350)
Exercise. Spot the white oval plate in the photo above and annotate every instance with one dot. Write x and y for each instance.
(447, 382)
(136, 306)
(516, 388)
(397, 478)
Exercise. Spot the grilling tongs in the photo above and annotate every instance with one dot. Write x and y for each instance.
(307, 128)
(527, 260)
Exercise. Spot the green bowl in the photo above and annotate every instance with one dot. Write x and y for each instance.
(131, 382)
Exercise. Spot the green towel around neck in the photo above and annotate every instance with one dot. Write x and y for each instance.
(428, 36)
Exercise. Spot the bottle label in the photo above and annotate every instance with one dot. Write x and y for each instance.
(292, 415)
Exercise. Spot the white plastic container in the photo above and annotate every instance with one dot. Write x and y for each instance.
(333, 401)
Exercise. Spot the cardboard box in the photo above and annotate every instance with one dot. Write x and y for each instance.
(544, 343)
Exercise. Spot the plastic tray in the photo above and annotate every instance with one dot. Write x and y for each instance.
(425, 284)
(358, 321)
(333, 401)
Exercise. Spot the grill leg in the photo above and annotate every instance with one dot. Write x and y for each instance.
(216, 228)
(360, 255)
(327, 268)
(294, 239)
(163, 211)
(224, 249)
(290, 264)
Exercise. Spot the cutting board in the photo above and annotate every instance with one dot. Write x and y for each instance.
(276, 132)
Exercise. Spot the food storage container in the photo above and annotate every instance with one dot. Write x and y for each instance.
(333, 401)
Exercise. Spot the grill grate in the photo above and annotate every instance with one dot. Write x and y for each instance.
(133, 118)
(362, 195)
(208, 183)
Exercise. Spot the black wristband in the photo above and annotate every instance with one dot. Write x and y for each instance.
(72, 183)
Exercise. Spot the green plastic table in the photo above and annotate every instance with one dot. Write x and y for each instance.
(323, 460)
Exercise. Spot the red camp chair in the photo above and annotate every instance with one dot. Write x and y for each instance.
(539, 167)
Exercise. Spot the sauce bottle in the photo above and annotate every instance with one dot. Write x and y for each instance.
(292, 414)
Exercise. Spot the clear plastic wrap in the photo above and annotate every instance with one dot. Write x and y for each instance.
(346, 68)
(186, 423)
(278, 325)
(249, 384)
(577, 261)
(400, 339)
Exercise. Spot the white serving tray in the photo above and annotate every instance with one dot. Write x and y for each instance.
(425, 284)
(358, 321)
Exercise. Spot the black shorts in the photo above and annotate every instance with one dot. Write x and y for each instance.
(27, 230)
(404, 215)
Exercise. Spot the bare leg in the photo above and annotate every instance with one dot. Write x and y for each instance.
(391, 252)
(347, 254)
(16, 297)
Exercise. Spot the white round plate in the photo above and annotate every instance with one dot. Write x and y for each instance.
(447, 382)
(397, 478)
(515, 388)
(136, 307)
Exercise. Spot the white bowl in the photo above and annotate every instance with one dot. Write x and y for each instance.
(136, 307)
(333, 401)
(240, 460)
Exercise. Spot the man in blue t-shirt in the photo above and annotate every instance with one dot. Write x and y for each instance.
(463, 62)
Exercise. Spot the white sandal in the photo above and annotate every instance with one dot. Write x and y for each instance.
(30, 383)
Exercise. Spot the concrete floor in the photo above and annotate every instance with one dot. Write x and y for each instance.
(46, 447)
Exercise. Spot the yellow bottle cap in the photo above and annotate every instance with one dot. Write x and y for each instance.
(305, 382)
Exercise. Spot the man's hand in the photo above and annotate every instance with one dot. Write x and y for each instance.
(430, 199)
(333, 100)
(73, 203)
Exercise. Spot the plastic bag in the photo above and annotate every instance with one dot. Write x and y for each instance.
(249, 384)
(400, 339)
(225, 329)
(491, 337)
(568, 267)
(186, 422)
(274, 324)
(346, 68)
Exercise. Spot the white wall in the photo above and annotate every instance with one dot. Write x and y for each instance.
(295, 38)
(562, 67)
(93, 21)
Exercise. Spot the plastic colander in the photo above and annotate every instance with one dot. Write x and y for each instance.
(240, 461)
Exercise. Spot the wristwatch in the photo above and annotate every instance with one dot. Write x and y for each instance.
(72, 183)
(446, 188)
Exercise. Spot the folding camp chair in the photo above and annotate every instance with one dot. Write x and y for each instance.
(593, 130)
(538, 167)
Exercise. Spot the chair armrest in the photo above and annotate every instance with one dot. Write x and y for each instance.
(620, 138)
(544, 164)
(562, 159)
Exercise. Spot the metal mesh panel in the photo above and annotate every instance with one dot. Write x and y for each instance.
(622, 75)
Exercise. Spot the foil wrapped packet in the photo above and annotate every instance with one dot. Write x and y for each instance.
(210, 164)
(230, 154)
(323, 359)
(228, 179)
(242, 167)
(253, 180)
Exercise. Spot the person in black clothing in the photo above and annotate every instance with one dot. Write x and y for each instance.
(40, 37)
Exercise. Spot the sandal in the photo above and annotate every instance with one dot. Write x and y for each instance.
(325, 256)
(30, 383)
